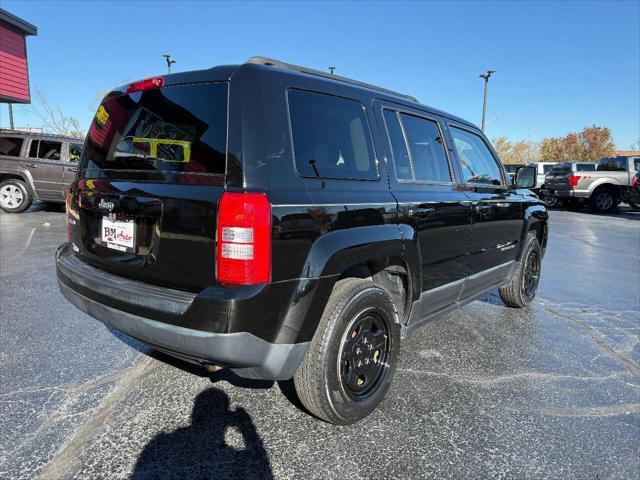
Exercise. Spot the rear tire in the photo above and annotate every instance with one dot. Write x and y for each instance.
(602, 200)
(14, 196)
(523, 286)
(350, 363)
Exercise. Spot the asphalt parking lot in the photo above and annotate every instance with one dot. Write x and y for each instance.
(489, 392)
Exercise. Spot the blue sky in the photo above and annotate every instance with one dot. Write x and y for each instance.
(560, 66)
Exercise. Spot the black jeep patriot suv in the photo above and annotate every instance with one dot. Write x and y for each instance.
(290, 224)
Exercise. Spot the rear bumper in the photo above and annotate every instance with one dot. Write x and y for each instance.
(566, 193)
(246, 354)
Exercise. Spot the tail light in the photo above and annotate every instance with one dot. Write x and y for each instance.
(573, 180)
(68, 206)
(243, 239)
(146, 84)
(634, 181)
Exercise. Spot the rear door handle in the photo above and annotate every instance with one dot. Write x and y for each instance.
(421, 212)
(31, 165)
(72, 169)
(483, 208)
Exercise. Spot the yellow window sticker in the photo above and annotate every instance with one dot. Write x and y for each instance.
(102, 115)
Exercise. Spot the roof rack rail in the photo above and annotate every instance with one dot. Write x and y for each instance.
(311, 71)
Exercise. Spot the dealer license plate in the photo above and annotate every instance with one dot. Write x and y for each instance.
(119, 234)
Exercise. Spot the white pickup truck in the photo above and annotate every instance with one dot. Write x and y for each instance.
(603, 189)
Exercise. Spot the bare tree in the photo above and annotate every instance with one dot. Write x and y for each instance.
(53, 118)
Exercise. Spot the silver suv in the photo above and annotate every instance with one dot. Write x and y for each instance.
(35, 166)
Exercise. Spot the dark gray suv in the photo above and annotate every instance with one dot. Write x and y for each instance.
(35, 166)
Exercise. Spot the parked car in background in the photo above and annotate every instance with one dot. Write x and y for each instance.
(556, 181)
(542, 169)
(512, 168)
(291, 224)
(602, 188)
(35, 166)
(632, 197)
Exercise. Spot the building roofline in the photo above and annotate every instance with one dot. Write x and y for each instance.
(17, 23)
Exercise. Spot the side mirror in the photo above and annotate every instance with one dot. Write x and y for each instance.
(526, 177)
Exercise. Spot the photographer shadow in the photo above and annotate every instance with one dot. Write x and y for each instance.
(220, 443)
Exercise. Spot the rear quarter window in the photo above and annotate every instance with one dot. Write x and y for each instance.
(331, 137)
(586, 168)
(11, 146)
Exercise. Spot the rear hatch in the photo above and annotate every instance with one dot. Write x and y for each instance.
(150, 178)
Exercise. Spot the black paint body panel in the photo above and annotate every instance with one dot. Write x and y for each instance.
(441, 233)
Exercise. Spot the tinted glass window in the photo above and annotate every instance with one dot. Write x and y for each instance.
(613, 164)
(45, 149)
(561, 168)
(331, 137)
(75, 150)
(636, 164)
(33, 149)
(547, 168)
(426, 147)
(170, 131)
(478, 164)
(398, 146)
(589, 167)
(10, 146)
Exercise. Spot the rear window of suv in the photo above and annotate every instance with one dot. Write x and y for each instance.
(171, 130)
(11, 146)
(331, 137)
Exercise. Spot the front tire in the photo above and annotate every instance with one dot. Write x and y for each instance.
(633, 205)
(523, 286)
(14, 196)
(350, 363)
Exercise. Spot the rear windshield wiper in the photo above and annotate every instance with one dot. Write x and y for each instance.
(134, 155)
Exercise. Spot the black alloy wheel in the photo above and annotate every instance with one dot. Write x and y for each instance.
(364, 355)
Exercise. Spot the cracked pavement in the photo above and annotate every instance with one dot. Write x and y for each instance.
(548, 392)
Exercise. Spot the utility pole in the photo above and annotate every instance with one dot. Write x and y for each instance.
(486, 75)
(10, 116)
(331, 69)
(170, 61)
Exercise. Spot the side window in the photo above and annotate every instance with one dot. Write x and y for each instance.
(11, 146)
(425, 159)
(636, 164)
(331, 137)
(399, 151)
(585, 168)
(547, 168)
(45, 149)
(427, 149)
(478, 164)
(33, 149)
(75, 149)
(49, 150)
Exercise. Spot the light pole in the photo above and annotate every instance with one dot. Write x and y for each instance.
(170, 61)
(486, 76)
